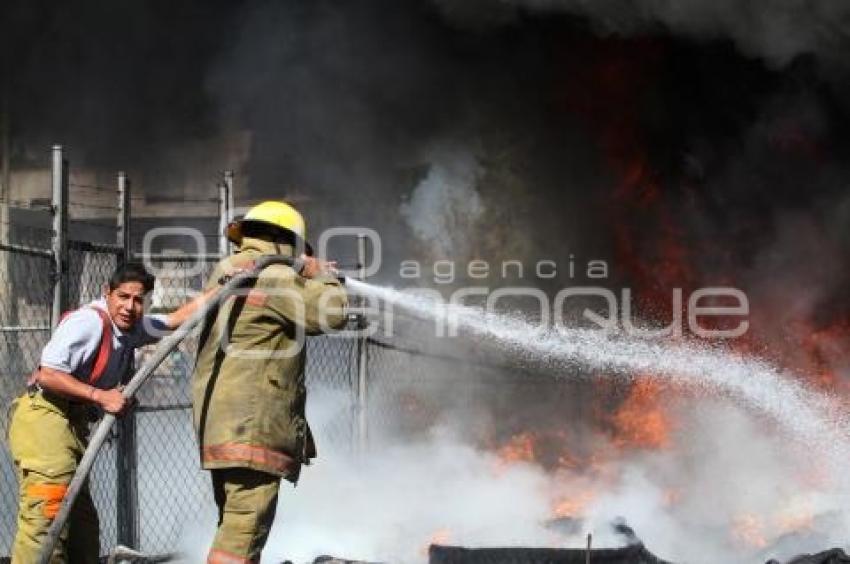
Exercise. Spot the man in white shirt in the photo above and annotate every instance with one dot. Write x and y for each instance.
(89, 356)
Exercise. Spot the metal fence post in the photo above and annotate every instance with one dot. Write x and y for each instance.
(5, 198)
(362, 357)
(124, 216)
(59, 177)
(224, 212)
(126, 459)
(228, 184)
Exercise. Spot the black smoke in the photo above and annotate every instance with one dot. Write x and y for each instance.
(345, 103)
(113, 82)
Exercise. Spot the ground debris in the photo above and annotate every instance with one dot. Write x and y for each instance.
(635, 554)
(834, 556)
(334, 560)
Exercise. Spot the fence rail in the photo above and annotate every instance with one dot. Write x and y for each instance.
(168, 487)
(47, 267)
(147, 484)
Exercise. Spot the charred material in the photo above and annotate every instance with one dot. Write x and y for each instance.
(635, 554)
(334, 560)
(834, 556)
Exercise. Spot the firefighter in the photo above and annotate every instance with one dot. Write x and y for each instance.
(88, 357)
(248, 386)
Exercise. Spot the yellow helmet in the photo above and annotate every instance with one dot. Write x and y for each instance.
(275, 213)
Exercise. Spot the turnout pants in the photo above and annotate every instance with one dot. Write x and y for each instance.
(247, 501)
(47, 439)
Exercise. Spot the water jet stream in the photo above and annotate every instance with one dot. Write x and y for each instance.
(812, 418)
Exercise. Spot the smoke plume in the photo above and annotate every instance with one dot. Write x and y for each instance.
(776, 32)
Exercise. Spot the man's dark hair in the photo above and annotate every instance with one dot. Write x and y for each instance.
(132, 272)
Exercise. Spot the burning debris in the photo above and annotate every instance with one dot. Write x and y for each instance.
(457, 555)
(641, 465)
(633, 553)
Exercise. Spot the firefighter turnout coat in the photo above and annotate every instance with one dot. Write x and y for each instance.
(248, 386)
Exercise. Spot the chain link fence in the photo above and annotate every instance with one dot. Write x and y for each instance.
(409, 390)
(419, 380)
(152, 491)
(89, 268)
(26, 295)
(411, 386)
(172, 490)
(26, 299)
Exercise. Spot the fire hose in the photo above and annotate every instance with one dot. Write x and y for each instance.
(165, 347)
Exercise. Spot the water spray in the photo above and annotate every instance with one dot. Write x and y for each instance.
(811, 418)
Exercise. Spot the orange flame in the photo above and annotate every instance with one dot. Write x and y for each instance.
(800, 520)
(574, 505)
(519, 448)
(640, 421)
(440, 536)
(748, 529)
(825, 349)
(755, 531)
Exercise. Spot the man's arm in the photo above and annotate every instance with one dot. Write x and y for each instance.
(326, 298)
(157, 326)
(75, 340)
(65, 385)
(315, 299)
(176, 318)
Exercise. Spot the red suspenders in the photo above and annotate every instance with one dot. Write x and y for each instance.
(105, 348)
